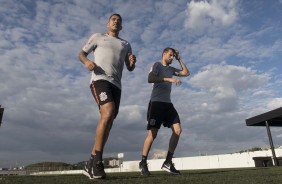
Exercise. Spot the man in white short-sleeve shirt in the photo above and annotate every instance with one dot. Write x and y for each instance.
(110, 54)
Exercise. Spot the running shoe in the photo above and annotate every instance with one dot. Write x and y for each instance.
(98, 170)
(87, 170)
(169, 167)
(144, 169)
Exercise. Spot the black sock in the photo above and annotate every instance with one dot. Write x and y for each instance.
(144, 159)
(92, 157)
(169, 156)
(91, 160)
(98, 156)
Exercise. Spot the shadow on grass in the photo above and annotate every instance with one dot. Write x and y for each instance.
(138, 176)
(213, 171)
(219, 176)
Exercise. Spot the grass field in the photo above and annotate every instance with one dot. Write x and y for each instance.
(268, 175)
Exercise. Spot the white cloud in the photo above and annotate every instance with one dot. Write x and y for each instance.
(263, 93)
(213, 77)
(274, 103)
(235, 73)
(225, 83)
(203, 15)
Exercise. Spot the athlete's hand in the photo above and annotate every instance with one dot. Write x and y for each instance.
(130, 62)
(131, 58)
(90, 65)
(176, 54)
(176, 81)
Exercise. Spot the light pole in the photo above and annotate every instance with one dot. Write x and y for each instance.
(1, 114)
(120, 157)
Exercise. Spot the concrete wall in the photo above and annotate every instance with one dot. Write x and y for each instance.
(235, 160)
(57, 172)
(13, 172)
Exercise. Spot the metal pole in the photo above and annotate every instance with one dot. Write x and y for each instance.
(1, 114)
(271, 144)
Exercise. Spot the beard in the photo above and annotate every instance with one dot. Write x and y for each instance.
(168, 61)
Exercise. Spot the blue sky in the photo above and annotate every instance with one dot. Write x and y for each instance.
(232, 49)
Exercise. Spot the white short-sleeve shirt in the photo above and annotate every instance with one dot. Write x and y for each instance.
(109, 54)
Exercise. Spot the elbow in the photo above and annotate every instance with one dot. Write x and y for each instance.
(150, 78)
(153, 80)
(82, 55)
(79, 56)
(186, 74)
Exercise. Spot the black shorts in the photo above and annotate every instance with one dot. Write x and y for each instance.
(161, 113)
(104, 92)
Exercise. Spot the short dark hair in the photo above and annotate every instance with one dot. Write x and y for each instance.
(167, 49)
(116, 14)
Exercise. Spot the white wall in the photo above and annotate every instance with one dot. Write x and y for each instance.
(235, 160)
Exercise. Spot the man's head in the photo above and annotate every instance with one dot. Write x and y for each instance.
(116, 14)
(168, 54)
(115, 22)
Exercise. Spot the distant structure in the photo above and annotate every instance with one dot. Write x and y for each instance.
(114, 162)
(1, 114)
(159, 154)
(267, 119)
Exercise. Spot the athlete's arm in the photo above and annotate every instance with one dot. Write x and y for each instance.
(90, 65)
(152, 78)
(130, 61)
(184, 72)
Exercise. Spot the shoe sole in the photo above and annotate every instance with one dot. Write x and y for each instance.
(169, 171)
(142, 173)
(145, 174)
(87, 174)
(99, 177)
(94, 177)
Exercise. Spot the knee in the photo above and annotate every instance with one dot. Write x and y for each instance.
(108, 114)
(154, 136)
(178, 131)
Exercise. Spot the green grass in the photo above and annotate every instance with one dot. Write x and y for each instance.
(267, 175)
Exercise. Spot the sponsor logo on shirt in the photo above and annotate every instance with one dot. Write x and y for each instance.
(123, 43)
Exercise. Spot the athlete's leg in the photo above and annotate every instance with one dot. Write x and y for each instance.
(102, 92)
(152, 134)
(168, 165)
(176, 131)
(107, 112)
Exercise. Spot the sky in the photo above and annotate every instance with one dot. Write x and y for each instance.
(233, 50)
